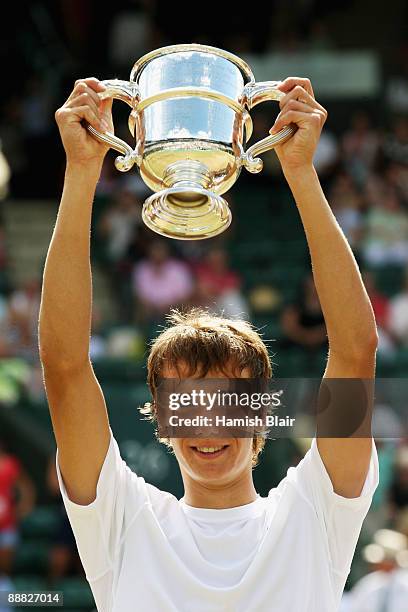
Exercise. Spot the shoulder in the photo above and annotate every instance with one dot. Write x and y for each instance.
(161, 501)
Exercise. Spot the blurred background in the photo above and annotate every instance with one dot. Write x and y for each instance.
(356, 55)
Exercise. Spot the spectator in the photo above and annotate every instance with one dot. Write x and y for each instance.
(63, 554)
(218, 287)
(38, 128)
(388, 428)
(347, 204)
(303, 321)
(5, 585)
(122, 236)
(386, 230)
(386, 588)
(23, 309)
(326, 155)
(160, 281)
(36, 109)
(118, 225)
(379, 301)
(399, 487)
(129, 36)
(4, 267)
(396, 175)
(360, 146)
(6, 348)
(398, 315)
(4, 174)
(395, 148)
(396, 92)
(12, 144)
(97, 343)
(13, 481)
(381, 307)
(108, 181)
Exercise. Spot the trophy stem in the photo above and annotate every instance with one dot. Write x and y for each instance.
(186, 209)
(185, 174)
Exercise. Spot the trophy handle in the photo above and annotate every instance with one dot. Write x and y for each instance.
(126, 92)
(255, 93)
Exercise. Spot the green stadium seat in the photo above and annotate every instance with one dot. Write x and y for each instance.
(387, 367)
(119, 369)
(401, 362)
(77, 594)
(38, 410)
(290, 362)
(30, 583)
(119, 394)
(269, 326)
(40, 523)
(31, 556)
(297, 362)
(389, 279)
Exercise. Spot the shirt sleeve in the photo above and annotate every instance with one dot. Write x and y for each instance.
(98, 526)
(341, 518)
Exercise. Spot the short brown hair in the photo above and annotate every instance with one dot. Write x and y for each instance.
(203, 341)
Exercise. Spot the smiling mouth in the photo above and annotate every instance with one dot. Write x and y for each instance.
(209, 452)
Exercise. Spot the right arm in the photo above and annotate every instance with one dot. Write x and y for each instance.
(76, 402)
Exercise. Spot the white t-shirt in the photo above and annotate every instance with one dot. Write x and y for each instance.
(142, 549)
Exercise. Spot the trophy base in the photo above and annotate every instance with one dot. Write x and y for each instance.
(186, 213)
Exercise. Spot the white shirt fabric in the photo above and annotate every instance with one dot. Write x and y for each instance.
(142, 549)
(381, 592)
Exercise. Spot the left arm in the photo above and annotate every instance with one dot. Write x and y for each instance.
(347, 310)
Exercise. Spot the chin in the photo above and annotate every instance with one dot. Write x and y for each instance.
(212, 461)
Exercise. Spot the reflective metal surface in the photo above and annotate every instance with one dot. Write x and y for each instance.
(191, 123)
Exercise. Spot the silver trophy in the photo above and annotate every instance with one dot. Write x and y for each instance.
(190, 120)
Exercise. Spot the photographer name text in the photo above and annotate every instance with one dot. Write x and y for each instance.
(224, 421)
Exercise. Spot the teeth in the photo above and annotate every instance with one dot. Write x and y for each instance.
(209, 449)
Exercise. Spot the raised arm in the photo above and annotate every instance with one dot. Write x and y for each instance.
(346, 307)
(75, 399)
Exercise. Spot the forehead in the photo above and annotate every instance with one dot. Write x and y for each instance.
(183, 371)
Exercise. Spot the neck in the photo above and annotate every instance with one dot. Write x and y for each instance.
(203, 495)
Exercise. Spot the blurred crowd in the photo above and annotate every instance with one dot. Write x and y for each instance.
(364, 172)
(363, 166)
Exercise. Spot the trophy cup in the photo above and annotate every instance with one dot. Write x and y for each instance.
(189, 117)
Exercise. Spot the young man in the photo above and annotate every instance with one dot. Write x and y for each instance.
(222, 547)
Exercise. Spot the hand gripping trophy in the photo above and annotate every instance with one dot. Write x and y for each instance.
(189, 117)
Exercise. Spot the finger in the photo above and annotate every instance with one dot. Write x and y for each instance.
(315, 119)
(91, 85)
(293, 104)
(87, 113)
(84, 99)
(291, 82)
(82, 88)
(299, 93)
(92, 82)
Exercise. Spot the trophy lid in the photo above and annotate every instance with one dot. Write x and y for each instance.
(240, 63)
